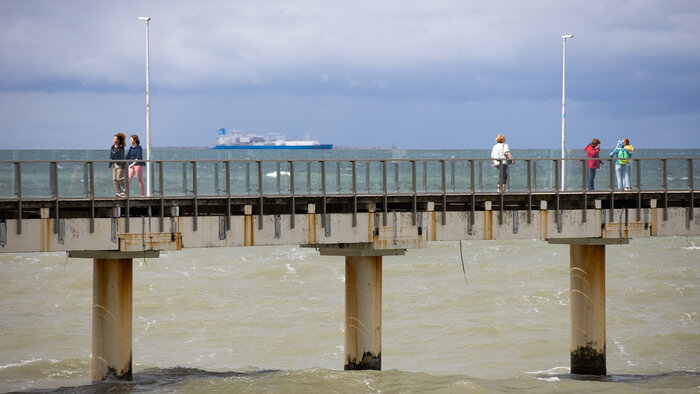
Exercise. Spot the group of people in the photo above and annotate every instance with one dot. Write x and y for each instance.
(622, 152)
(118, 163)
(502, 158)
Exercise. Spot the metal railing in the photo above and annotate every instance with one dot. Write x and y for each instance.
(201, 178)
(56, 181)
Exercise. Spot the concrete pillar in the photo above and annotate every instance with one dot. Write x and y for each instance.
(363, 312)
(587, 274)
(111, 319)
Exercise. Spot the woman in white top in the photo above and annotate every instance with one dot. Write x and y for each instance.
(501, 157)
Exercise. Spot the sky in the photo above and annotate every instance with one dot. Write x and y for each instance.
(414, 74)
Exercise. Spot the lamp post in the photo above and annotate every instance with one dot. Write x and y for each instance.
(148, 111)
(563, 114)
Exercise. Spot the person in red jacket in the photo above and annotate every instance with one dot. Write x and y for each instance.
(593, 152)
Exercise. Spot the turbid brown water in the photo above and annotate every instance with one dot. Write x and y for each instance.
(271, 319)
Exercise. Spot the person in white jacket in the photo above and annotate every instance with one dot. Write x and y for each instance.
(501, 158)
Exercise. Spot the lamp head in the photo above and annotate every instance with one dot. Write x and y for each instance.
(144, 18)
(567, 36)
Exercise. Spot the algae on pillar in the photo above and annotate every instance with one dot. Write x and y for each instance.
(587, 275)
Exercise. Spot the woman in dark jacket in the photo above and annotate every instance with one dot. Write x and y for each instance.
(116, 154)
(135, 154)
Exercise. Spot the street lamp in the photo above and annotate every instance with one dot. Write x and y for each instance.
(563, 114)
(148, 111)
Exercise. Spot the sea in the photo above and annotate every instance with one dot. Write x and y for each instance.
(457, 317)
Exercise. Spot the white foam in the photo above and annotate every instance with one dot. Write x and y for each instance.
(551, 371)
(19, 364)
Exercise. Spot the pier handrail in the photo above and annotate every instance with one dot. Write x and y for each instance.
(27, 179)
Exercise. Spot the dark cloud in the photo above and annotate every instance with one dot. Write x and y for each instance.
(392, 66)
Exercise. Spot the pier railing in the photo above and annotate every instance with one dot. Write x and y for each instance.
(198, 178)
(176, 178)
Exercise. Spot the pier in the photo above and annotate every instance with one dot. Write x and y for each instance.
(359, 209)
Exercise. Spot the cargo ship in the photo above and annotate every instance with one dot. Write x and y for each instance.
(239, 140)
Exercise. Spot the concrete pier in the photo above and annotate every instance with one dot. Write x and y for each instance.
(111, 319)
(112, 292)
(587, 275)
(363, 312)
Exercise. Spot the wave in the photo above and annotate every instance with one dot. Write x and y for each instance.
(184, 379)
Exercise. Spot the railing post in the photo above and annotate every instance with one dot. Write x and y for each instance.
(501, 185)
(528, 164)
(690, 188)
(501, 190)
(127, 220)
(323, 193)
(639, 189)
(90, 182)
(227, 170)
(413, 191)
(584, 188)
(556, 192)
(337, 177)
(473, 196)
(260, 194)
(292, 193)
(53, 175)
(384, 192)
(354, 192)
(664, 186)
(161, 222)
(18, 194)
(444, 192)
(612, 190)
(85, 178)
(194, 193)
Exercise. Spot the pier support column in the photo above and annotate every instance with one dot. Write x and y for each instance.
(363, 301)
(112, 284)
(111, 319)
(363, 312)
(587, 278)
(587, 275)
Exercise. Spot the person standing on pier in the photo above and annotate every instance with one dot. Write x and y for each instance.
(135, 154)
(622, 170)
(593, 152)
(116, 154)
(628, 167)
(501, 160)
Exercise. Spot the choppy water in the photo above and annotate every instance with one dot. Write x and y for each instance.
(271, 319)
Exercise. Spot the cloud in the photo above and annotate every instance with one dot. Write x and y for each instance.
(628, 59)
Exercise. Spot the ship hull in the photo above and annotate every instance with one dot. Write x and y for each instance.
(295, 147)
